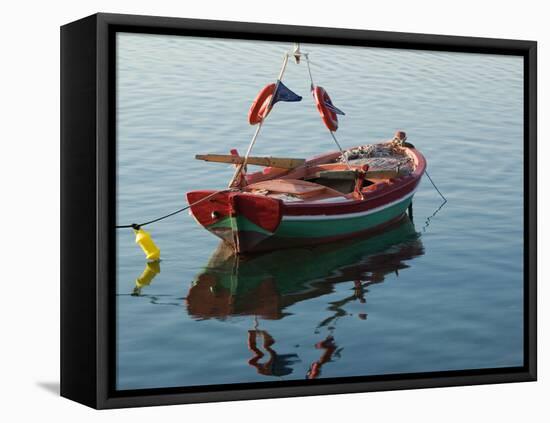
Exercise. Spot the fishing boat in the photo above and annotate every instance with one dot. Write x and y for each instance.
(293, 201)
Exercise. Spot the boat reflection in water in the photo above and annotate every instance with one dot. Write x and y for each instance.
(266, 285)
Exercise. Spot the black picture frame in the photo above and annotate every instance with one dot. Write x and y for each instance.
(88, 198)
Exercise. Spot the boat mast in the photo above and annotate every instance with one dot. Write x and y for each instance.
(297, 56)
(242, 166)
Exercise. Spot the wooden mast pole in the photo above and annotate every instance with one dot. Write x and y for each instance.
(259, 127)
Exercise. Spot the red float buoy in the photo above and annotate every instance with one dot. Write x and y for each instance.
(261, 106)
(327, 115)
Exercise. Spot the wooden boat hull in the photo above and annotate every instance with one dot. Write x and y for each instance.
(247, 236)
(251, 223)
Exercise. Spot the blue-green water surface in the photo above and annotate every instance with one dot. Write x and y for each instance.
(442, 293)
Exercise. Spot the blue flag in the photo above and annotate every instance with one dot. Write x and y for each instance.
(333, 108)
(283, 93)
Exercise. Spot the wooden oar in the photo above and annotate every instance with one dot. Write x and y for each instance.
(280, 162)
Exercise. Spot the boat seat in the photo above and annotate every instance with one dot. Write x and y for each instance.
(288, 186)
(295, 187)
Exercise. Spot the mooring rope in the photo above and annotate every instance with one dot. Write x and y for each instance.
(437, 189)
(428, 219)
(427, 222)
(139, 225)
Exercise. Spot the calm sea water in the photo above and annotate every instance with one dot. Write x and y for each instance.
(442, 293)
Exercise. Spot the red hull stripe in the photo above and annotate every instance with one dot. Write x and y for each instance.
(262, 211)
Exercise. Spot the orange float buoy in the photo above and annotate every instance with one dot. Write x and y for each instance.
(327, 115)
(259, 109)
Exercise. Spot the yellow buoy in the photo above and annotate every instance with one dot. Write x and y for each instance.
(144, 240)
(152, 269)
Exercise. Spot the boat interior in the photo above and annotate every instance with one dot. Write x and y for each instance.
(331, 177)
(329, 181)
(311, 184)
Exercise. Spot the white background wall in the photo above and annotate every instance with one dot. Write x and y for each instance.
(29, 167)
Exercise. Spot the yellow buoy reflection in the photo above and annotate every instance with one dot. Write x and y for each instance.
(152, 269)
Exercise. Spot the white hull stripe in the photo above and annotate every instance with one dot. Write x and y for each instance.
(348, 215)
(332, 200)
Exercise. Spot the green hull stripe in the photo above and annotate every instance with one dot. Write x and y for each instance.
(239, 222)
(317, 228)
(332, 227)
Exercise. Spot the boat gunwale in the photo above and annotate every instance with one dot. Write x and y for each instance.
(387, 193)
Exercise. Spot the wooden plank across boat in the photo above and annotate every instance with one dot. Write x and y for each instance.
(320, 200)
(283, 163)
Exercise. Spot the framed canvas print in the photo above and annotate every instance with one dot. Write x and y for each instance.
(255, 211)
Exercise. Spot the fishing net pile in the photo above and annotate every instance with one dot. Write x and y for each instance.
(384, 156)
